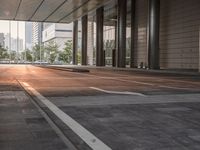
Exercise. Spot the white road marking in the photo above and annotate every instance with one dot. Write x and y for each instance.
(116, 92)
(84, 134)
(138, 82)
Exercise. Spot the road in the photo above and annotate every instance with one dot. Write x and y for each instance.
(114, 109)
(62, 83)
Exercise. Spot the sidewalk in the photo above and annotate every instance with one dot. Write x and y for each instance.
(22, 127)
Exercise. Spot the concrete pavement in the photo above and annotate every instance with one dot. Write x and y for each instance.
(22, 127)
(167, 117)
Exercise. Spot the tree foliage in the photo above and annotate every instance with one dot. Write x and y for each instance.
(27, 55)
(3, 53)
(66, 54)
(36, 52)
(51, 50)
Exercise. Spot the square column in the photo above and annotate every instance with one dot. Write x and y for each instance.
(132, 65)
(84, 39)
(99, 37)
(75, 42)
(121, 34)
(153, 37)
(199, 49)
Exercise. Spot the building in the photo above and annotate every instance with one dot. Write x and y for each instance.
(16, 44)
(2, 38)
(153, 34)
(58, 33)
(37, 29)
(28, 35)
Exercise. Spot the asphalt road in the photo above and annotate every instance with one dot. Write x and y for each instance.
(115, 109)
(63, 83)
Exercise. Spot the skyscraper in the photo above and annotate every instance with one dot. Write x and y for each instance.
(37, 33)
(58, 33)
(13, 43)
(28, 35)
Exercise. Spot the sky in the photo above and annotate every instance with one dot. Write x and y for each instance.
(4, 28)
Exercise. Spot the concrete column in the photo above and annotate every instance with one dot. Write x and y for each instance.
(121, 32)
(75, 42)
(153, 35)
(199, 49)
(99, 37)
(84, 39)
(132, 33)
(90, 43)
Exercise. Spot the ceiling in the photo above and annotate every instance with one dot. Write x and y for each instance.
(57, 11)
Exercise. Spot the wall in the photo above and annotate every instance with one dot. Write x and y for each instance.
(140, 36)
(179, 34)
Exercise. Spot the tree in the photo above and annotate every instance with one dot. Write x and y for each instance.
(13, 55)
(66, 54)
(51, 50)
(36, 52)
(3, 53)
(27, 55)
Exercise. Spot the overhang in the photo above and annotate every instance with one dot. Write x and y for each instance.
(57, 11)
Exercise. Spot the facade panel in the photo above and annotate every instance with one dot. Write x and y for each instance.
(140, 36)
(179, 34)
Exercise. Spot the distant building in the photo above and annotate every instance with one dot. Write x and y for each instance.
(14, 43)
(58, 33)
(28, 35)
(37, 33)
(2, 43)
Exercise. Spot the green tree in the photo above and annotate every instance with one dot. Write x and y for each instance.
(3, 53)
(66, 54)
(51, 50)
(36, 52)
(27, 55)
(13, 55)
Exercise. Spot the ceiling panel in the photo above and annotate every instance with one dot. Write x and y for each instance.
(47, 8)
(8, 9)
(66, 9)
(27, 9)
(83, 10)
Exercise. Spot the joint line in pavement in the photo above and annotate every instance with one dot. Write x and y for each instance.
(91, 140)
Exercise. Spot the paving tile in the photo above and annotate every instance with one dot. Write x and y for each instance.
(23, 128)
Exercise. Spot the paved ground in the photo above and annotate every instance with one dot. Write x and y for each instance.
(22, 127)
(125, 110)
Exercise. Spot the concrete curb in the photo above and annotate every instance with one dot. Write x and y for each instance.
(88, 69)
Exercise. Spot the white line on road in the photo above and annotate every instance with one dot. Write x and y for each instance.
(84, 134)
(117, 92)
(138, 82)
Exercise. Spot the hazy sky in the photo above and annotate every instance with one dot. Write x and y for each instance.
(4, 28)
